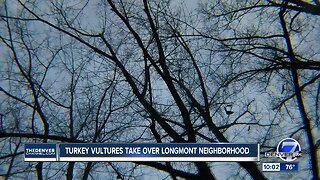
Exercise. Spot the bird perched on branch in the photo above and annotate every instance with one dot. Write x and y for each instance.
(228, 110)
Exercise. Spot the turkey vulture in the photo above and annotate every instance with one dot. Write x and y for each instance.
(228, 111)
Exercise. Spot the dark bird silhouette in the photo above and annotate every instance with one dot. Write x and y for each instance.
(228, 112)
(283, 88)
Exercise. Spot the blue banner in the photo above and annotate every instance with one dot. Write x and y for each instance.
(142, 152)
(289, 166)
(40, 152)
(159, 152)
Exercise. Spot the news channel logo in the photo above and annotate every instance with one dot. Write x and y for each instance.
(288, 150)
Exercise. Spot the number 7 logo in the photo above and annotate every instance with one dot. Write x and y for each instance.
(288, 148)
(290, 144)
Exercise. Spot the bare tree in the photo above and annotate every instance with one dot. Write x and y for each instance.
(149, 71)
(277, 41)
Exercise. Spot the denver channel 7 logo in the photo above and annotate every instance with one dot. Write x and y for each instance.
(288, 150)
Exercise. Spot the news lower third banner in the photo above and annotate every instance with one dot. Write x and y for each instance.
(142, 152)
